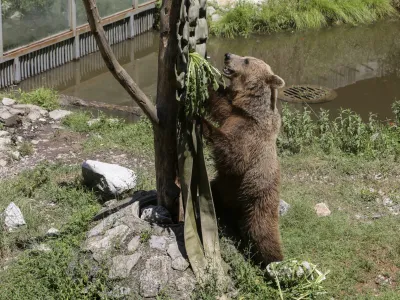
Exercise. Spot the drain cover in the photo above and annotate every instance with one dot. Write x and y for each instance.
(306, 93)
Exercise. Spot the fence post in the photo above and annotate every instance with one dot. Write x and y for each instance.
(135, 3)
(1, 33)
(76, 50)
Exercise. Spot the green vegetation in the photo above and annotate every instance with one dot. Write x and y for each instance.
(25, 149)
(200, 75)
(135, 138)
(49, 196)
(343, 162)
(347, 133)
(43, 97)
(278, 15)
(145, 236)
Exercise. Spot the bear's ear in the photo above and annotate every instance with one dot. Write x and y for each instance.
(275, 81)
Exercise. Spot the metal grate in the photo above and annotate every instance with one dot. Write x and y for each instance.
(307, 93)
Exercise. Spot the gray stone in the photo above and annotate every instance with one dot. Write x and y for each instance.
(16, 16)
(52, 232)
(4, 133)
(34, 115)
(122, 265)
(4, 142)
(180, 264)
(383, 280)
(3, 163)
(8, 101)
(119, 292)
(108, 178)
(156, 214)
(154, 278)
(101, 244)
(386, 201)
(174, 251)
(322, 210)
(59, 114)
(210, 11)
(216, 17)
(134, 244)
(185, 283)
(158, 242)
(41, 248)
(15, 155)
(283, 207)
(13, 217)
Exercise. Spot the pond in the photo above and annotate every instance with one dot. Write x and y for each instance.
(362, 64)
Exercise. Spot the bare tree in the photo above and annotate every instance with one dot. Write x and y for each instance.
(164, 117)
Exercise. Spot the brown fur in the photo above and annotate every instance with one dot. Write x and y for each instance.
(246, 189)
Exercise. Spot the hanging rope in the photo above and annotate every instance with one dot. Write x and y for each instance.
(201, 231)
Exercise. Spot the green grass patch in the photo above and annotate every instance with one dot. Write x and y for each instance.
(347, 133)
(279, 15)
(49, 196)
(105, 133)
(45, 98)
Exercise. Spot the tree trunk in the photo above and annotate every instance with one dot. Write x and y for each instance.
(165, 142)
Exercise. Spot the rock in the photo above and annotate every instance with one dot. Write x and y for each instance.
(108, 178)
(134, 244)
(210, 11)
(100, 244)
(13, 217)
(283, 207)
(4, 142)
(34, 115)
(322, 210)
(53, 232)
(185, 284)
(59, 114)
(41, 248)
(10, 116)
(173, 251)
(4, 133)
(180, 264)
(158, 242)
(216, 17)
(8, 101)
(16, 16)
(383, 280)
(386, 201)
(15, 155)
(119, 292)
(3, 163)
(122, 265)
(155, 276)
(156, 214)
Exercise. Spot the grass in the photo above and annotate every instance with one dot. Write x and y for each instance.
(43, 97)
(135, 138)
(279, 15)
(352, 176)
(49, 196)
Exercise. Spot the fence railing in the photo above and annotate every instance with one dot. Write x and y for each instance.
(55, 32)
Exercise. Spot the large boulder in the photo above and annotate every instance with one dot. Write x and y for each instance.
(144, 260)
(13, 217)
(108, 178)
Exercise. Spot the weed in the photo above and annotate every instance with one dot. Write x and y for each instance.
(396, 111)
(45, 98)
(145, 236)
(347, 133)
(25, 149)
(277, 15)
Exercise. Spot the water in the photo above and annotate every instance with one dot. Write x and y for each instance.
(362, 64)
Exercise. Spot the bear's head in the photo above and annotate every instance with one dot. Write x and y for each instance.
(249, 73)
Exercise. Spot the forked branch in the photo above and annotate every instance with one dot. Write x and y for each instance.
(113, 65)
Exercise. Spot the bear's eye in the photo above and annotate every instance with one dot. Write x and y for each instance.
(246, 61)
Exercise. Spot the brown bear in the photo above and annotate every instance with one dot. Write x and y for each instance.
(246, 188)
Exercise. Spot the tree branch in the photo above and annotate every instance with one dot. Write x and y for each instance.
(113, 65)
